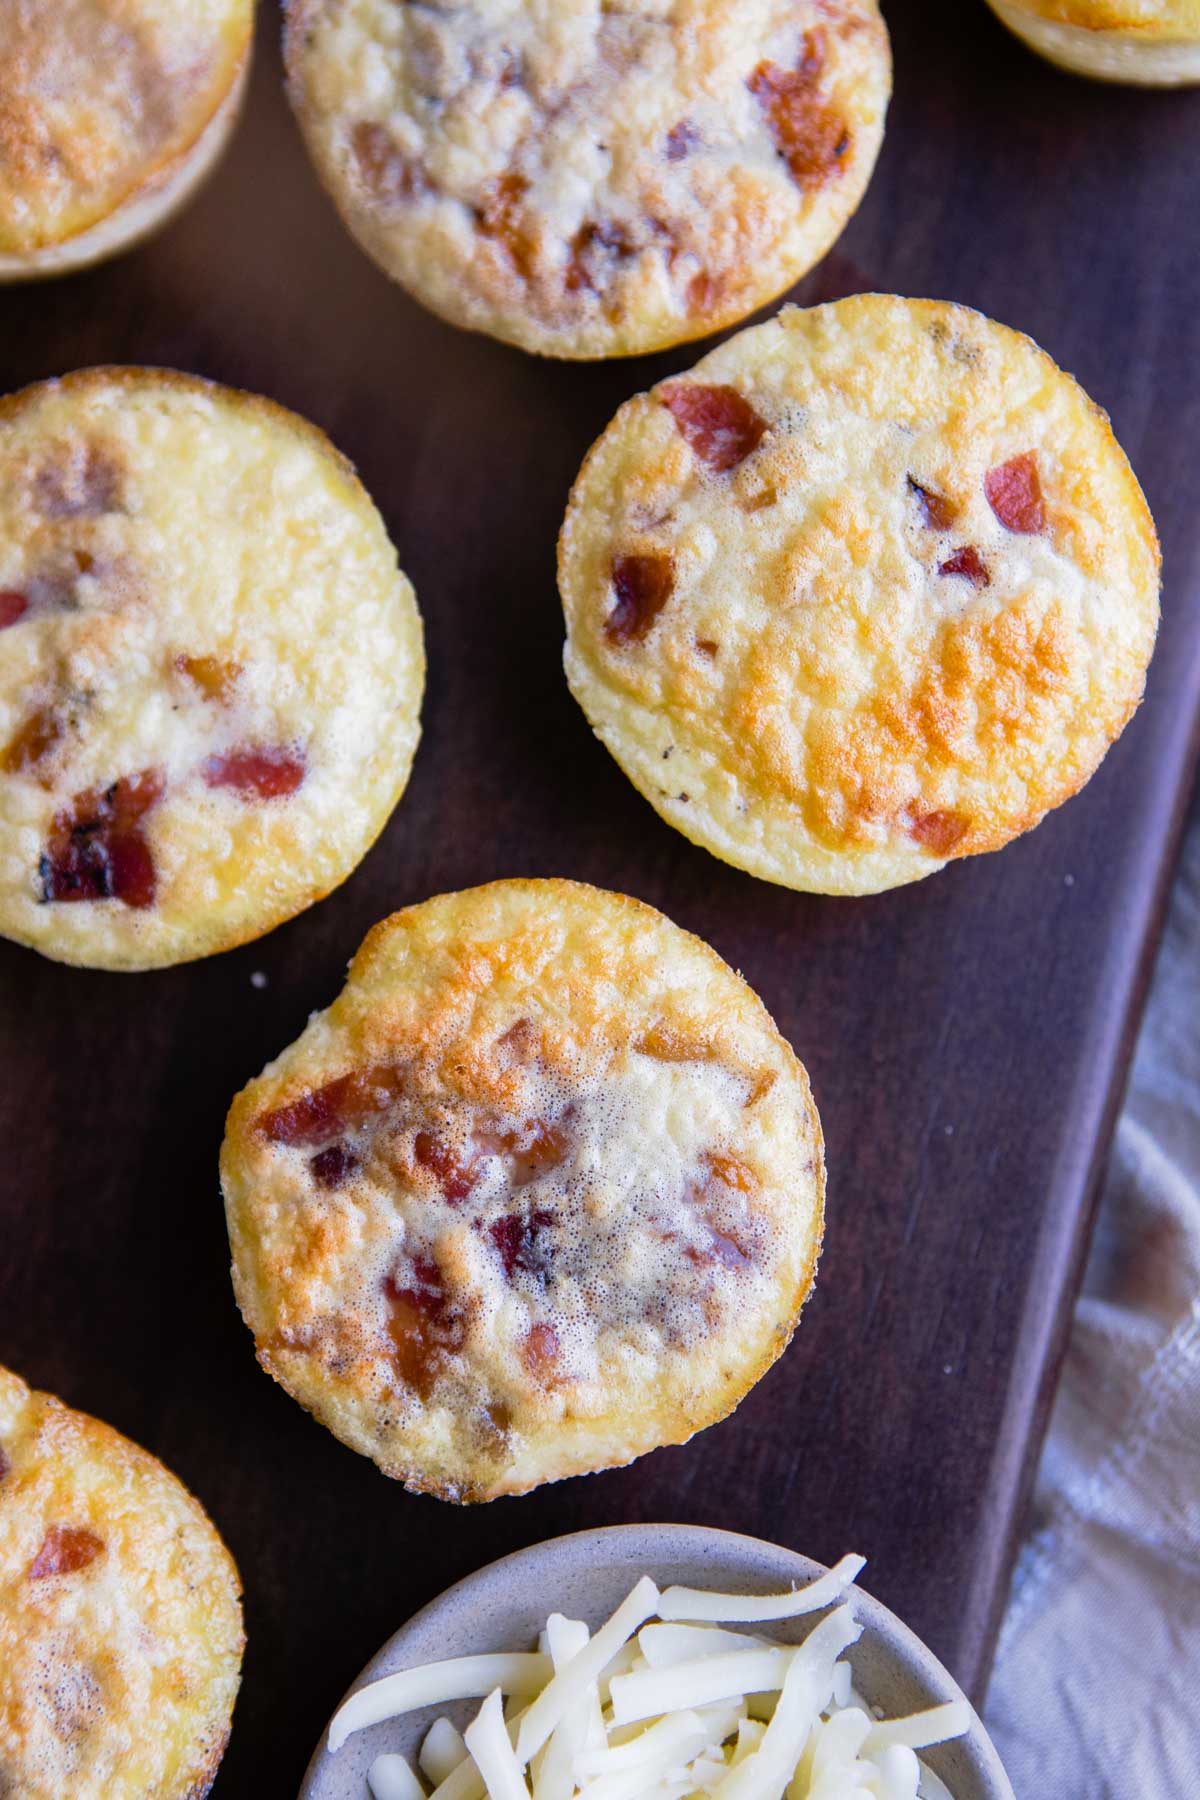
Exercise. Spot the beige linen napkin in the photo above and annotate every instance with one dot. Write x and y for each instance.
(1096, 1691)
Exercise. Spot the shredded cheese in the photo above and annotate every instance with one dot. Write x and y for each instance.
(461, 1678)
(679, 1709)
(695, 1603)
(487, 1739)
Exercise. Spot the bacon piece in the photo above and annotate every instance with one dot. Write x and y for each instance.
(326, 1112)
(13, 606)
(643, 586)
(268, 772)
(500, 218)
(215, 676)
(35, 739)
(595, 245)
(718, 1247)
(939, 832)
(681, 140)
(732, 1172)
(719, 423)
(704, 292)
(937, 511)
(1014, 492)
(530, 1150)
(540, 1352)
(97, 850)
(810, 134)
(387, 173)
(5, 1465)
(65, 1549)
(82, 483)
(967, 561)
(707, 648)
(523, 1243)
(456, 1179)
(423, 1326)
(333, 1167)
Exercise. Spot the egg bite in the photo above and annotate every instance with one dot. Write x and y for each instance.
(1146, 43)
(870, 588)
(120, 1615)
(589, 181)
(210, 668)
(113, 112)
(542, 1190)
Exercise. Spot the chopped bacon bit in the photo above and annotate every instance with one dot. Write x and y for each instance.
(456, 1179)
(215, 676)
(499, 218)
(263, 773)
(704, 292)
(719, 1247)
(809, 133)
(708, 647)
(1014, 492)
(536, 1148)
(97, 850)
(340, 1105)
(643, 586)
(939, 832)
(938, 512)
(83, 483)
(540, 1352)
(519, 1038)
(968, 562)
(720, 424)
(333, 1167)
(387, 173)
(593, 245)
(65, 1549)
(13, 606)
(733, 1172)
(35, 739)
(681, 140)
(423, 1326)
(5, 1465)
(522, 1243)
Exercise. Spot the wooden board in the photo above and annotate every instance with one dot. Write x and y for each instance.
(967, 1038)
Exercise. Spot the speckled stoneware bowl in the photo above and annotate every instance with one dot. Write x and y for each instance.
(586, 1576)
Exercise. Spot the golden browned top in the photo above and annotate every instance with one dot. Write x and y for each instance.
(1147, 18)
(540, 1191)
(870, 587)
(120, 1618)
(589, 180)
(98, 97)
(210, 667)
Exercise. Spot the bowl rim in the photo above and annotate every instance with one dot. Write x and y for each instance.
(641, 1544)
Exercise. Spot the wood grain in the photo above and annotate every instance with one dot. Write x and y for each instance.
(967, 1038)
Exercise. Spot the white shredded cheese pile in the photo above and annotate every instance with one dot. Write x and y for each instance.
(681, 1709)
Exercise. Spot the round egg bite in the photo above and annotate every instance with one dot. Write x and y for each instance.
(541, 1191)
(210, 668)
(586, 180)
(113, 112)
(120, 1615)
(1147, 43)
(872, 587)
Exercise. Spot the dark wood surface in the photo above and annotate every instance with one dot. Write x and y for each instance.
(967, 1038)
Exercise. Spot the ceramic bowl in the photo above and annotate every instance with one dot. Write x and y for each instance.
(586, 1576)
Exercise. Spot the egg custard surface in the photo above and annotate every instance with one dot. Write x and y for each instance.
(585, 180)
(870, 588)
(541, 1190)
(112, 110)
(210, 668)
(120, 1615)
